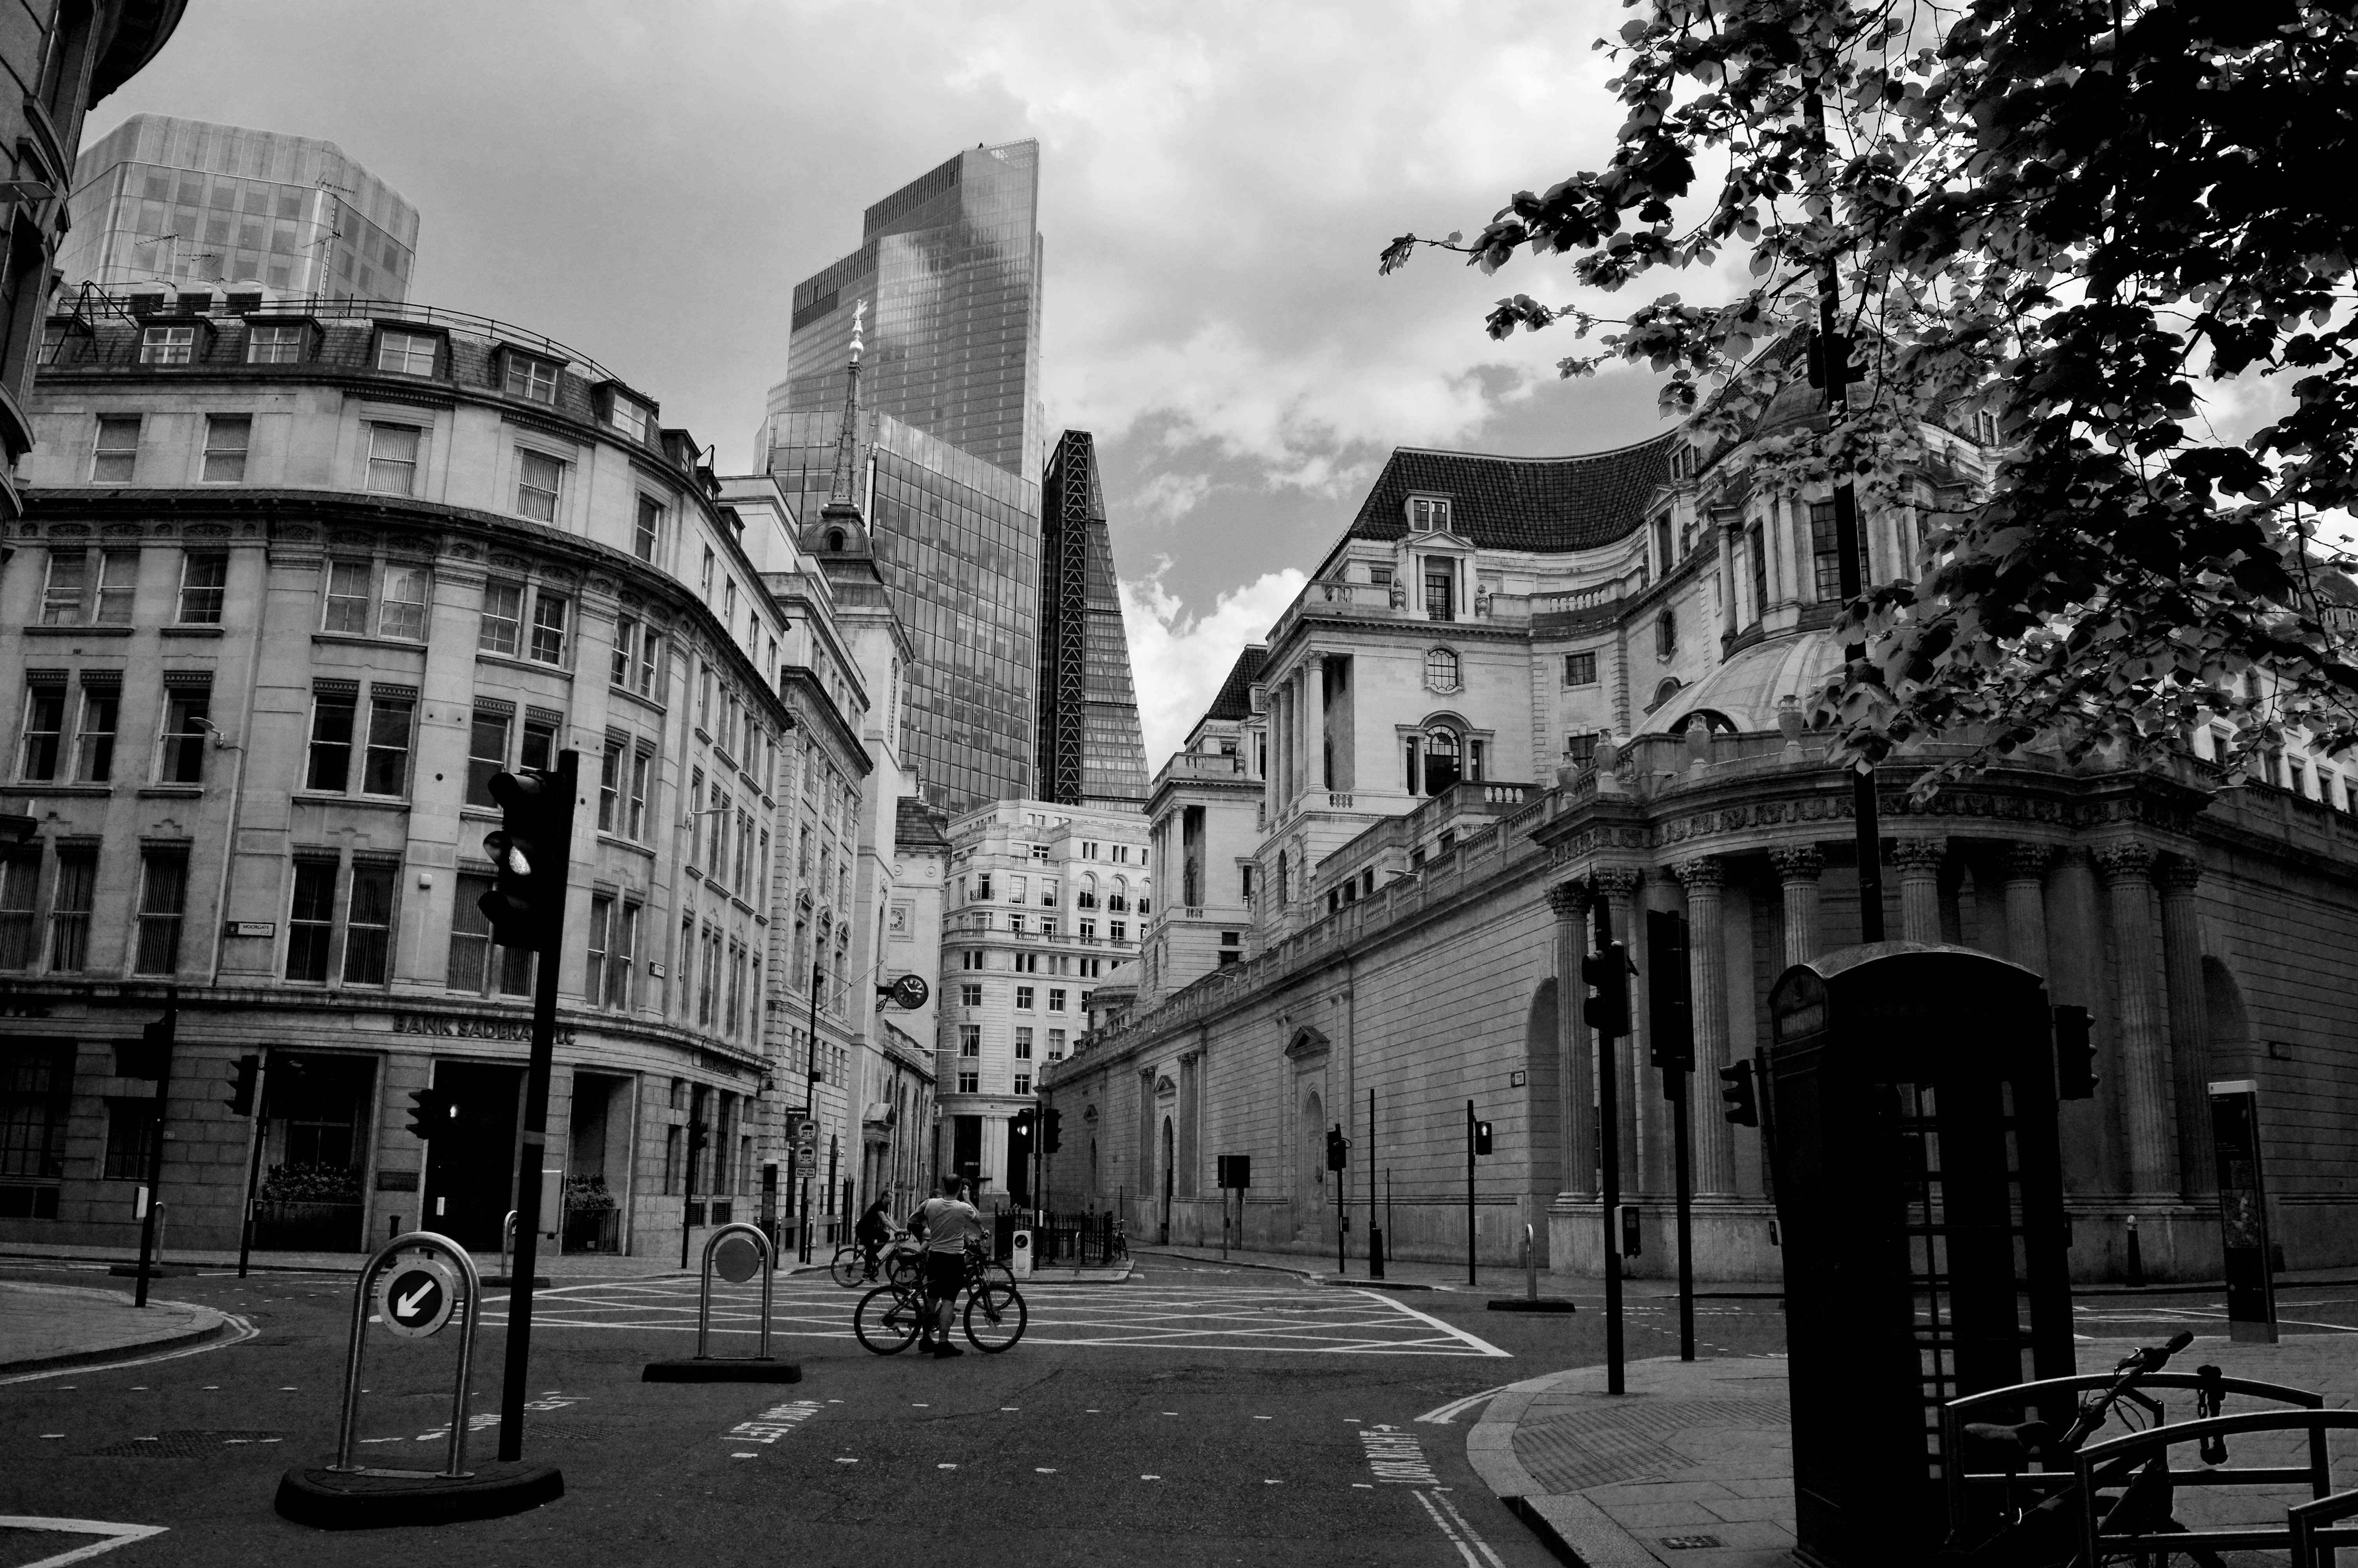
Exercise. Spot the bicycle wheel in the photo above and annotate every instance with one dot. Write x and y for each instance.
(850, 1265)
(887, 1320)
(902, 1268)
(995, 1316)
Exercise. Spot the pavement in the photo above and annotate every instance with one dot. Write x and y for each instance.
(1400, 1274)
(46, 1328)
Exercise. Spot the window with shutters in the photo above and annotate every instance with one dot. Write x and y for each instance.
(181, 755)
(311, 920)
(227, 436)
(94, 737)
(393, 458)
(205, 587)
(368, 924)
(163, 897)
(539, 480)
(114, 456)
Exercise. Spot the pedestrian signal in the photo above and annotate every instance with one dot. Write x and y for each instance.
(1608, 1007)
(1481, 1138)
(526, 904)
(1338, 1149)
(431, 1112)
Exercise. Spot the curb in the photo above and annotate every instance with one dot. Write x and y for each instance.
(1573, 1528)
(180, 1264)
(71, 1358)
(1307, 1276)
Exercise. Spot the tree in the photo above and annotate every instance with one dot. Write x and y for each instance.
(2075, 215)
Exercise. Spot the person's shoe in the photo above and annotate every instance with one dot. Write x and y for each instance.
(945, 1350)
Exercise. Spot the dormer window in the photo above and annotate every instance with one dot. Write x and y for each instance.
(1682, 462)
(167, 345)
(529, 377)
(274, 343)
(406, 353)
(1428, 514)
(626, 415)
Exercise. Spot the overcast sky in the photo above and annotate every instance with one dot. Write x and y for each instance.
(647, 182)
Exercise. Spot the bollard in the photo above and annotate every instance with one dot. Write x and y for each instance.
(2135, 1279)
(1531, 1268)
(705, 1367)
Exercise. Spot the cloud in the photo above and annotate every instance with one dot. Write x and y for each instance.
(1179, 660)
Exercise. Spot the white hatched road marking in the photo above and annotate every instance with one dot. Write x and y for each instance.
(112, 1536)
(1298, 1320)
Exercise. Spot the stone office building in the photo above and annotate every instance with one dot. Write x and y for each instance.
(1514, 680)
(292, 586)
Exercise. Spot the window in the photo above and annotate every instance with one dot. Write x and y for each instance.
(311, 921)
(1055, 998)
(471, 935)
(130, 1138)
(1579, 669)
(1118, 930)
(273, 345)
(45, 723)
(402, 610)
(622, 958)
(487, 753)
(348, 598)
(116, 453)
(204, 587)
(69, 906)
(1023, 1044)
(67, 588)
(635, 825)
(185, 725)
(1440, 590)
(601, 917)
(970, 1083)
(969, 992)
(537, 479)
(20, 881)
(529, 377)
(548, 627)
(387, 768)
(1426, 515)
(95, 739)
(502, 627)
(627, 415)
(393, 458)
(1825, 552)
(1055, 1044)
(1024, 999)
(227, 436)
(650, 529)
(167, 345)
(1666, 634)
(368, 925)
(1580, 750)
(1441, 669)
(1759, 555)
(1380, 577)
(406, 353)
(539, 747)
(609, 785)
(330, 763)
(1023, 1083)
(704, 584)
(969, 1040)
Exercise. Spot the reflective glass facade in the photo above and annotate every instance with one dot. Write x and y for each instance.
(958, 541)
(950, 267)
(1091, 750)
(172, 201)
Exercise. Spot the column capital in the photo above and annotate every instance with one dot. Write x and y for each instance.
(1703, 872)
(1616, 881)
(2177, 875)
(1919, 855)
(1569, 900)
(2127, 858)
(1802, 863)
(2027, 862)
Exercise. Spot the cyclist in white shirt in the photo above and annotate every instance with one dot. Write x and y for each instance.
(947, 1224)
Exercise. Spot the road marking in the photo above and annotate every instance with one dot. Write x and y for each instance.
(114, 1535)
(1442, 1415)
(1396, 1458)
(748, 1454)
(1460, 1534)
(239, 1332)
(945, 1466)
(1150, 1478)
(775, 1422)
(847, 1461)
(1042, 1470)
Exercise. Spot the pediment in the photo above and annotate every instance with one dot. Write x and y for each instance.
(1308, 1045)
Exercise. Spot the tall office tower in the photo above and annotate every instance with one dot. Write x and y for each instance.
(1091, 750)
(949, 423)
(165, 200)
(949, 264)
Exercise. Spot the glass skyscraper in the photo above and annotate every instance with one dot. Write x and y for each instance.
(1090, 747)
(165, 200)
(949, 264)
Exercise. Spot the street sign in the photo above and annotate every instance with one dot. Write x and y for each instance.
(1235, 1170)
(736, 1260)
(416, 1298)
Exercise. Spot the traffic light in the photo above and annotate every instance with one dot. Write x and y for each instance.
(158, 1036)
(1481, 1138)
(1050, 1131)
(526, 904)
(1607, 974)
(430, 1110)
(2075, 1055)
(1669, 998)
(1338, 1149)
(1021, 1124)
(695, 1136)
(241, 1074)
(1743, 1107)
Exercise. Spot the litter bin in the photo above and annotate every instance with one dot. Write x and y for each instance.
(1019, 1255)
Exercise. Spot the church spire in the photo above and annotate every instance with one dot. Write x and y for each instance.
(846, 441)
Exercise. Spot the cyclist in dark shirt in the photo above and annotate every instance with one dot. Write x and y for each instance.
(946, 1224)
(875, 1228)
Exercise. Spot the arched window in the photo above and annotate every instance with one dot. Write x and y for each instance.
(1663, 693)
(1666, 634)
(1120, 899)
(1088, 893)
(1443, 759)
(1282, 893)
(835, 539)
(1441, 669)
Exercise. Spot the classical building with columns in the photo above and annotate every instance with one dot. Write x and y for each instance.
(1518, 685)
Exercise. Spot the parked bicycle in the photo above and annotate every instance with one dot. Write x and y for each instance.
(899, 1260)
(889, 1318)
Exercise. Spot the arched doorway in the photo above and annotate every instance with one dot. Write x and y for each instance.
(1170, 1170)
(1310, 1186)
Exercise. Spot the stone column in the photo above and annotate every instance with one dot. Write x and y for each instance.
(2189, 1023)
(2144, 1051)
(1313, 722)
(1619, 885)
(2026, 904)
(1919, 887)
(1798, 869)
(1576, 1047)
(1714, 1145)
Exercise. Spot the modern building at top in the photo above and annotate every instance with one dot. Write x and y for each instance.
(161, 199)
(953, 432)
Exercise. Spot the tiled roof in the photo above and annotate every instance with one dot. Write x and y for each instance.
(1545, 504)
(919, 826)
(1234, 700)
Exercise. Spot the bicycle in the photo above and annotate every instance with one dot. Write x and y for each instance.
(897, 1257)
(889, 1318)
(2048, 1535)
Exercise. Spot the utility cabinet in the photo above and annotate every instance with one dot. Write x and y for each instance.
(1919, 1191)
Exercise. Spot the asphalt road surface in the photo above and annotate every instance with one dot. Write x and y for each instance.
(1200, 1414)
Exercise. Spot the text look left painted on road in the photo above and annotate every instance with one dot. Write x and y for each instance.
(1395, 1458)
(775, 1422)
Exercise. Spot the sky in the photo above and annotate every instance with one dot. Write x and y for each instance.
(646, 183)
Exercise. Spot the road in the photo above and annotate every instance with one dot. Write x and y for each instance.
(1200, 1414)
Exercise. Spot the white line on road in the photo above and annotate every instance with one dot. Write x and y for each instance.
(239, 1332)
(1461, 1535)
(1441, 1497)
(115, 1535)
(1442, 1415)
(1485, 1347)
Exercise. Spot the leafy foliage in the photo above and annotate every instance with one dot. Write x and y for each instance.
(2078, 215)
(311, 1184)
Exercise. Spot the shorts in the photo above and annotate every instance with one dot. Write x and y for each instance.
(944, 1275)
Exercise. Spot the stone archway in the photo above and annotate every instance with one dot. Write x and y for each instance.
(1170, 1172)
(1309, 1187)
(2225, 1022)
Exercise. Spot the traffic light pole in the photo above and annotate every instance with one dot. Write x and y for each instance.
(517, 1377)
(171, 1029)
(687, 1194)
(1375, 1231)
(254, 1163)
(1609, 1136)
(1674, 1088)
(1342, 1237)
(1470, 1192)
